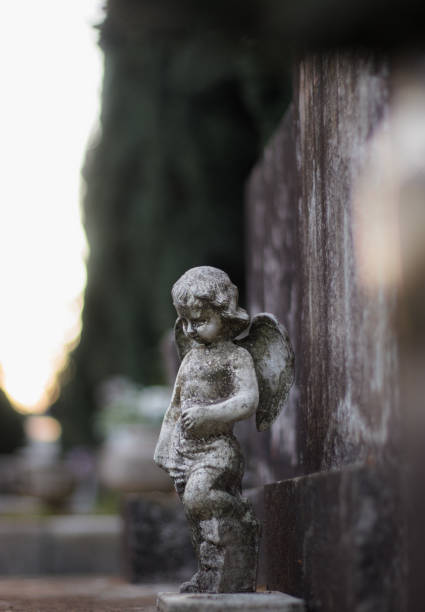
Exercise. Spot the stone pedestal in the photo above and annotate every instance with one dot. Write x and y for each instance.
(228, 554)
(272, 601)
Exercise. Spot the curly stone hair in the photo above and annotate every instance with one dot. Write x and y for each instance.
(213, 287)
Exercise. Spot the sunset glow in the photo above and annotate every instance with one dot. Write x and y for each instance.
(51, 73)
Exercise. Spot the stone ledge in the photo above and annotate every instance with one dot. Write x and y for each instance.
(336, 539)
(273, 601)
(60, 545)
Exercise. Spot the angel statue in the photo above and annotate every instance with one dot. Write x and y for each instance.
(222, 379)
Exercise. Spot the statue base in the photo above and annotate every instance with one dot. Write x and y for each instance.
(271, 601)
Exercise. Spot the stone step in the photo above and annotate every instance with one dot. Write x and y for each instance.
(271, 601)
(60, 545)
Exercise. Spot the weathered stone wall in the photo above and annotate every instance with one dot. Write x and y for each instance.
(335, 538)
(272, 286)
(321, 257)
(348, 356)
(302, 267)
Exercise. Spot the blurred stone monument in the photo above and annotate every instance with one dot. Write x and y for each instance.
(156, 541)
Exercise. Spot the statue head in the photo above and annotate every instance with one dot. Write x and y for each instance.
(206, 287)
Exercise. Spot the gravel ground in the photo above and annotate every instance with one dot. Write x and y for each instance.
(101, 594)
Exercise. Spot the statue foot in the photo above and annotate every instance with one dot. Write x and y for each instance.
(191, 586)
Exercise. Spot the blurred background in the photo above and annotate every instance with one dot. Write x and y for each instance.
(280, 141)
(128, 132)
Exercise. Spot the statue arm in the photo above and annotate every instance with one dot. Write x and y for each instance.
(241, 404)
(244, 401)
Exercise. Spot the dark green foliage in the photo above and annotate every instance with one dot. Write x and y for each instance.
(11, 426)
(184, 118)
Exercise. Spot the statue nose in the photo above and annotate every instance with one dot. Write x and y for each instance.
(190, 331)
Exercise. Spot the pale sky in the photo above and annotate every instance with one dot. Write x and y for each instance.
(50, 71)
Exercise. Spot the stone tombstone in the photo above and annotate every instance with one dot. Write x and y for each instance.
(231, 368)
(156, 541)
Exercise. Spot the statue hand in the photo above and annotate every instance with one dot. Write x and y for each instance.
(193, 417)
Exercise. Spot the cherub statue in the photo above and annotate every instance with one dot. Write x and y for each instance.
(221, 380)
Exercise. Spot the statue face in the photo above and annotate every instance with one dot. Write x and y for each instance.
(201, 323)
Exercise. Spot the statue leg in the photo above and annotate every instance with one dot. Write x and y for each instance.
(225, 534)
(205, 495)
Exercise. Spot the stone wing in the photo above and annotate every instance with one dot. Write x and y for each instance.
(271, 350)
